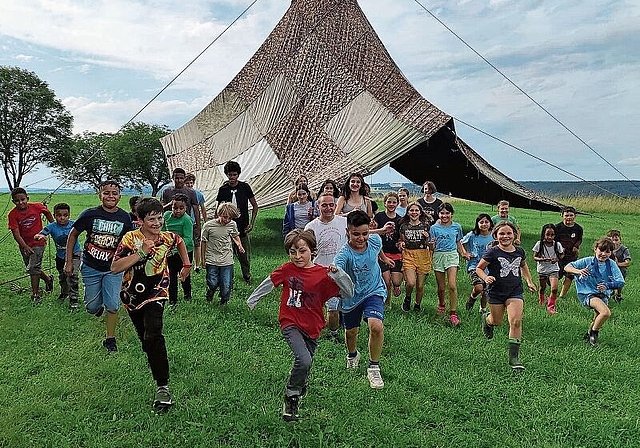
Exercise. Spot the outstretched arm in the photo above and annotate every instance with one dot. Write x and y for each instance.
(262, 290)
(343, 281)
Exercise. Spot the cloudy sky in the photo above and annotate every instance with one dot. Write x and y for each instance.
(580, 60)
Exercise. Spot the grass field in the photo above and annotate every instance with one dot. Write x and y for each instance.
(443, 386)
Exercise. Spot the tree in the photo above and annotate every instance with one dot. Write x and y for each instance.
(137, 156)
(84, 160)
(33, 123)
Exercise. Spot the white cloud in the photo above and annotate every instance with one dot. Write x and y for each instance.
(23, 57)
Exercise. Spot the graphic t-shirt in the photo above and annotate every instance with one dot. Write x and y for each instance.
(104, 232)
(505, 267)
(148, 279)
(28, 222)
(447, 237)
(331, 236)
(546, 267)
(431, 209)
(364, 270)
(59, 235)
(414, 237)
(569, 237)
(304, 293)
(242, 193)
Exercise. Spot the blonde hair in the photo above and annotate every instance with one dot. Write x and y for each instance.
(228, 209)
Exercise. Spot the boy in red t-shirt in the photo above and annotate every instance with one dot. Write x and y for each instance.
(25, 223)
(306, 287)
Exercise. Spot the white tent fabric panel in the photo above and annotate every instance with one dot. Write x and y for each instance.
(369, 133)
(273, 105)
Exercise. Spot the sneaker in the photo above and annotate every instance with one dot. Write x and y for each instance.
(455, 320)
(593, 339)
(487, 329)
(441, 308)
(110, 345)
(163, 398)
(482, 310)
(552, 309)
(223, 302)
(617, 297)
(48, 284)
(406, 304)
(352, 363)
(586, 336)
(197, 269)
(470, 303)
(290, 409)
(37, 300)
(62, 297)
(416, 307)
(620, 298)
(73, 305)
(209, 295)
(247, 280)
(396, 291)
(335, 337)
(375, 379)
(515, 364)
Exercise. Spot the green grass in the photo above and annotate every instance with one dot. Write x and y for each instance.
(443, 386)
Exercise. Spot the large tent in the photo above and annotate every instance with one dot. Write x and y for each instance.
(322, 97)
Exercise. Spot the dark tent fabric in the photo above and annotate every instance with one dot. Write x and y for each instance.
(323, 97)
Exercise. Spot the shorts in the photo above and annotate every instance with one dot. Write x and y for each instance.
(333, 303)
(33, 261)
(445, 260)
(548, 276)
(384, 267)
(475, 279)
(562, 263)
(586, 298)
(101, 289)
(418, 260)
(371, 307)
(501, 300)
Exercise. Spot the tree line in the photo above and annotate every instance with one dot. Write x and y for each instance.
(36, 128)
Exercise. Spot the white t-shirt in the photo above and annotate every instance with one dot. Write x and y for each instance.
(331, 236)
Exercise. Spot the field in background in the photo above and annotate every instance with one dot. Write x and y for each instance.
(444, 386)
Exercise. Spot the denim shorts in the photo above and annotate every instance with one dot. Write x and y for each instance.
(333, 303)
(586, 298)
(372, 306)
(101, 289)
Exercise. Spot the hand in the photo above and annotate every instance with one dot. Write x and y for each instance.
(332, 268)
(489, 279)
(249, 228)
(148, 246)
(39, 237)
(389, 228)
(241, 249)
(27, 250)
(68, 268)
(184, 273)
(389, 262)
(601, 287)
(532, 287)
(466, 256)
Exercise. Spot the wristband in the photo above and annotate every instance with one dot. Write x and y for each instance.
(187, 265)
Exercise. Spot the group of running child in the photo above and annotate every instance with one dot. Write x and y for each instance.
(139, 263)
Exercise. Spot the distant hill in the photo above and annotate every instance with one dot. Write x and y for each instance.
(607, 188)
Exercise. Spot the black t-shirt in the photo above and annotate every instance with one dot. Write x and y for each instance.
(243, 193)
(389, 240)
(430, 209)
(569, 237)
(505, 267)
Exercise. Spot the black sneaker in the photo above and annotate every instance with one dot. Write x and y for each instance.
(290, 409)
(48, 284)
(62, 297)
(416, 307)
(487, 329)
(247, 280)
(593, 339)
(209, 295)
(36, 300)
(73, 305)
(470, 303)
(110, 345)
(406, 304)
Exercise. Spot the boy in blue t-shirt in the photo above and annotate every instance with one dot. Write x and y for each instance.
(359, 259)
(59, 231)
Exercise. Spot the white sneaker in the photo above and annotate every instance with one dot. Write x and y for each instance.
(352, 363)
(375, 379)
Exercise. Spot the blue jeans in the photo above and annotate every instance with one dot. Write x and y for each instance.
(101, 289)
(222, 277)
